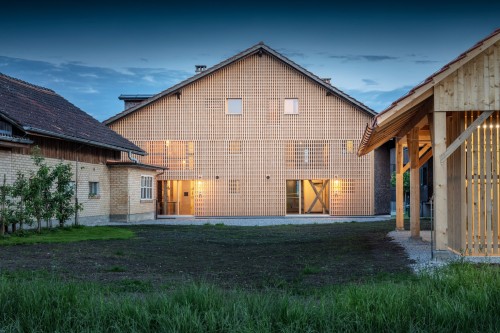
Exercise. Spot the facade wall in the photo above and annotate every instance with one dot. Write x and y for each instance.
(192, 135)
(382, 171)
(115, 186)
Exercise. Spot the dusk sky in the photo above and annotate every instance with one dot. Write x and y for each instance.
(91, 53)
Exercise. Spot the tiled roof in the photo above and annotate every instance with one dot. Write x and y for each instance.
(39, 110)
(260, 47)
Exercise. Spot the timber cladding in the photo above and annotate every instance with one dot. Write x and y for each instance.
(239, 163)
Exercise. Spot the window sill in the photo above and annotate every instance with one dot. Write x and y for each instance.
(94, 197)
(147, 200)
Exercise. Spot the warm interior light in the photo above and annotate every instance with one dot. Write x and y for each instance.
(336, 186)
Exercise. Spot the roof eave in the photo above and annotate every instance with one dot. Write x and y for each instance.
(80, 140)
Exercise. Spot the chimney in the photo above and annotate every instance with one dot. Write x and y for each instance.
(133, 100)
(200, 68)
(327, 80)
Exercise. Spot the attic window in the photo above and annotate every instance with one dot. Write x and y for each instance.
(5, 128)
(291, 106)
(234, 106)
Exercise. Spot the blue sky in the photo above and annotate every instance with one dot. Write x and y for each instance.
(90, 52)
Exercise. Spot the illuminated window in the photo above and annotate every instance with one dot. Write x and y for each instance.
(349, 146)
(234, 106)
(235, 147)
(291, 106)
(234, 186)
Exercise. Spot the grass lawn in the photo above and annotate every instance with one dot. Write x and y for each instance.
(67, 235)
(311, 278)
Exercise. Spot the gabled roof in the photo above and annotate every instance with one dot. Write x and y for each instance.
(40, 111)
(261, 47)
(374, 136)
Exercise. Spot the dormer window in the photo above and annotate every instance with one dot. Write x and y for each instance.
(5, 128)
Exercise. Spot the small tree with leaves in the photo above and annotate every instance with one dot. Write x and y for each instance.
(5, 205)
(406, 183)
(20, 191)
(64, 208)
(39, 199)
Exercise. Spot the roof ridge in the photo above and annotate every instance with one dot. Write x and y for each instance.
(27, 84)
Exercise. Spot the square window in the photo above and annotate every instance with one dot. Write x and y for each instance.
(93, 189)
(234, 186)
(234, 106)
(291, 106)
(235, 147)
(146, 187)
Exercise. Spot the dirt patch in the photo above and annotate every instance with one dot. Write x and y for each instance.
(247, 257)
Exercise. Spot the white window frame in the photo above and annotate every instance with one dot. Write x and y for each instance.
(146, 187)
(234, 99)
(291, 106)
(94, 189)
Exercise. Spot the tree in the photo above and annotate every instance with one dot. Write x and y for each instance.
(39, 198)
(20, 191)
(63, 206)
(5, 205)
(406, 183)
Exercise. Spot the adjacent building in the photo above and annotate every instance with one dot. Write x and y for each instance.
(107, 187)
(454, 117)
(257, 135)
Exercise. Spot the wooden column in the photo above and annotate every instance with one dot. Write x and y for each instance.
(438, 128)
(413, 150)
(399, 187)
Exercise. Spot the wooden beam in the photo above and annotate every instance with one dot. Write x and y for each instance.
(440, 176)
(415, 120)
(399, 187)
(318, 195)
(421, 152)
(464, 136)
(425, 158)
(414, 184)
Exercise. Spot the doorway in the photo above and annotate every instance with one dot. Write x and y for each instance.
(309, 196)
(175, 197)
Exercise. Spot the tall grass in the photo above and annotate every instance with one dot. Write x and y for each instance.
(460, 298)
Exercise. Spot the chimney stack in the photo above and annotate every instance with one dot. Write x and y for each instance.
(200, 68)
(327, 80)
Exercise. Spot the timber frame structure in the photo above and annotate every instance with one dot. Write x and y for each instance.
(260, 159)
(454, 115)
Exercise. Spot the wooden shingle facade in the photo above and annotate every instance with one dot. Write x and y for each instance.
(254, 135)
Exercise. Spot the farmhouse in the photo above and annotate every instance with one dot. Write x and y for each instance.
(257, 135)
(107, 187)
(454, 116)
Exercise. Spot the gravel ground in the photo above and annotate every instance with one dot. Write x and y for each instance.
(419, 251)
(253, 221)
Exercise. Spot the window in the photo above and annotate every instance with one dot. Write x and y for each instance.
(234, 106)
(146, 187)
(235, 147)
(234, 186)
(291, 106)
(93, 189)
(5, 128)
(349, 146)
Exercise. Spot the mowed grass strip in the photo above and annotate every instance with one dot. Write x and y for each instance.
(460, 298)
(67, 235)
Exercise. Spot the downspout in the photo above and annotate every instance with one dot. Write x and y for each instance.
(132, 158)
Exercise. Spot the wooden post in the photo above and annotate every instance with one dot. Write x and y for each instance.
(413, 148)
(440, 181)
(399, 187)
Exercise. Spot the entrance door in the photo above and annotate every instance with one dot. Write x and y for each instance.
(310, 196)
(175, 197)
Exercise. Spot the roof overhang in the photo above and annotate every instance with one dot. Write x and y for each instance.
(393, 120)
(135, 165)
(40, 132)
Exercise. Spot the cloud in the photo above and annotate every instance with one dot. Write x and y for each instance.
(93, 89)
(425, 62)
(363, 57)
(370, 82)
(291, 53)
(144, 59)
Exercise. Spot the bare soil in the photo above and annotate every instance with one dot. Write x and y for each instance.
(246, 257)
